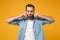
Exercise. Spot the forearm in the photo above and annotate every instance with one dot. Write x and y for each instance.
(50, 19)
(12, 18)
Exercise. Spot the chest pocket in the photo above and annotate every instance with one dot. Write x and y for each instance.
(38, 23)
(37, 27)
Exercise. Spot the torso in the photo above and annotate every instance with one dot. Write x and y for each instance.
(29, 35)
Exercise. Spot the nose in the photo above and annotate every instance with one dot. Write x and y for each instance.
(29, 12)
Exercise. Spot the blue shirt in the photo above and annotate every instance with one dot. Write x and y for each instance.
(37, 27)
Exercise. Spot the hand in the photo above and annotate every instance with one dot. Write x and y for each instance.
(36, 15)
(23, 15)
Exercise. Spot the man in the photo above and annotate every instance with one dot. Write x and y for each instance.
(30, 24)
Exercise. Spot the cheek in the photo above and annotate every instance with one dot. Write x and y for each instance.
(32, 12)
(27, 13)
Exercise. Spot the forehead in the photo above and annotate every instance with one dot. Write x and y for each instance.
(29, 8)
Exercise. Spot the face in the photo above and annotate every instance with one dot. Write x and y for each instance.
(30, 12)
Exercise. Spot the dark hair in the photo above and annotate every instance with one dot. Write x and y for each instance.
(30, 5)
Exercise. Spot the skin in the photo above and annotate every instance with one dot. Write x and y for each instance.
(30, 13)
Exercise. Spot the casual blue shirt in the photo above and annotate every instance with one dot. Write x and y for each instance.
(37, 27)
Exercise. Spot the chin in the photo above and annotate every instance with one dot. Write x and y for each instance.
(30, 16)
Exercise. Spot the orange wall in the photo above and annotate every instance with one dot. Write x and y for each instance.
(10, 8)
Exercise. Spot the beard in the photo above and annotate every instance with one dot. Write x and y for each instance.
(30, 16)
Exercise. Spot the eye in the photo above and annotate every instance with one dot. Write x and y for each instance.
(27, 11)
(31, 11)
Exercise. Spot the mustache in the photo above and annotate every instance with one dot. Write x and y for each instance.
(32, 16)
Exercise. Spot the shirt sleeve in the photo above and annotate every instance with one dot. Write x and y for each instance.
(16, 21)
(46, 22)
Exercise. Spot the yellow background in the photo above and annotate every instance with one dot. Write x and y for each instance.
(9, 8)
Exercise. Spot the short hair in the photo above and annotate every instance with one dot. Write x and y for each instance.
(30, 5)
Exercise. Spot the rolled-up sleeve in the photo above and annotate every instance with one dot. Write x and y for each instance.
(46, 22)
(16, 21)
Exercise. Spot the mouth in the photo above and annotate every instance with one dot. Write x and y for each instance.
(30, 16)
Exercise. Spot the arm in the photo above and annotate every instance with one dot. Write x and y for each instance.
(22, 16)
(50, 19)
(12, 19)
